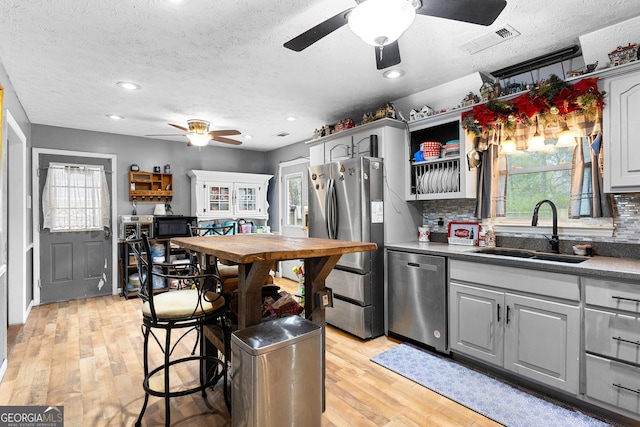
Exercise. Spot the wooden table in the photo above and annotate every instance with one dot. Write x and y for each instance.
(256, 254)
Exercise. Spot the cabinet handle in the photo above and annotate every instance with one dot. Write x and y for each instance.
(627, 341)
(508, 309)
(498, 313)
(626, 388)
(626, 299)
(413, 264)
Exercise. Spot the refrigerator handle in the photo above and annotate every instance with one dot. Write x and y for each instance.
(334, 210)
(332, 214)
(328, 207)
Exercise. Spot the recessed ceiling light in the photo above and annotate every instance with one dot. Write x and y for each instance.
(115, 117)
(129, 85)
(291, 118)
(393, 74)
(248, 136)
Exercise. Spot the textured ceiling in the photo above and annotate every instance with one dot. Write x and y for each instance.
(223, 61)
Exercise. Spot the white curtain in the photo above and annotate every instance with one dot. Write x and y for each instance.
(75, 198)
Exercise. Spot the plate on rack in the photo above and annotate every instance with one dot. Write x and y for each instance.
(454, 180)
(437, 184)
(423, 183)
(432, 180)
(446, 181)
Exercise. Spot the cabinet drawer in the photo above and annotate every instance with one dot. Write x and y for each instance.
(613, 382)
(552, 285)
(612, 294)
(612, 334)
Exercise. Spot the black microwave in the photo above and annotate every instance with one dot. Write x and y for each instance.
(167, 226)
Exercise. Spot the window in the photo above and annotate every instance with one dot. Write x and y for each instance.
(294, 199)
(527, 177)
(75, 198)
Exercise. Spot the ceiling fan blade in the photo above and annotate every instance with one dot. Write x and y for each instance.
(179, 127)
(387, 56)
(226, 140)
(482, 12)
(169, 134)
(321, 30)
(224, 132)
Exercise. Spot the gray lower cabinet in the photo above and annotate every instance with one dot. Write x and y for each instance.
(494, 318)
(612, 344)
(532, 337)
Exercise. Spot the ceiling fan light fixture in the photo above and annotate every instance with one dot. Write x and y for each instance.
(199, 140)
(393, 74)
(380, 22)
(198, 132)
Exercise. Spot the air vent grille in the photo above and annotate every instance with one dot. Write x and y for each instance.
(490, 39)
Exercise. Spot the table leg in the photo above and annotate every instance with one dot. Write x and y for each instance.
(316, 272)
(251, 278)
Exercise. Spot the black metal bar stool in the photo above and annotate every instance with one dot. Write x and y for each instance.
(197, 304)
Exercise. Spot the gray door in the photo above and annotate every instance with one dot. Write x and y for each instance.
(293, 204)
(74, 265)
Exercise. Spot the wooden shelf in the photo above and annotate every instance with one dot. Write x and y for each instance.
(150, 185)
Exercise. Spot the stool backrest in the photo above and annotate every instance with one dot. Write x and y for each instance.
(144, 262)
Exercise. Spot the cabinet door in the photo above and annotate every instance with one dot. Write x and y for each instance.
(542, 341)
(476, 317)
(218, 199)
(622, 130)
(247, 199)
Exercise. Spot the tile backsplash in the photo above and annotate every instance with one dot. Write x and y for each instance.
(626, 218)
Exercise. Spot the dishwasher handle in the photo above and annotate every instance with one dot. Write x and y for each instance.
(430, 267)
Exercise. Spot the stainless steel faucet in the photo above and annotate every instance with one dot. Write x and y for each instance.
(554, 240)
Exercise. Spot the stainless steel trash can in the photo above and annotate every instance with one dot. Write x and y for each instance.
(277, 374)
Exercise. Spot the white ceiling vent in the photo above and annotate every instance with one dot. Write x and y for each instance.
(282, 134)
(491, 39)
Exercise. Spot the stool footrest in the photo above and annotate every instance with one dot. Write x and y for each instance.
(148, 381)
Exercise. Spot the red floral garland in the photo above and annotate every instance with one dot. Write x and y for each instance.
(551, 97)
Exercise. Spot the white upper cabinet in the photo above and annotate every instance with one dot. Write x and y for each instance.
(382, 138)
(218, 195)
(446, 177)
(621, 129)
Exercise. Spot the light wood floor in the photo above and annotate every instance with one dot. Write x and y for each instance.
(87, 356)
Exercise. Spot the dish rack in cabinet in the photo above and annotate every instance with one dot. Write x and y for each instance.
(439, 176)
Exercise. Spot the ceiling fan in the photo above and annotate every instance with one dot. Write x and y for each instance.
(199, 134)
(381, 22)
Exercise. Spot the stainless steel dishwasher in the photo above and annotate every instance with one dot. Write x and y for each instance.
(416, 298)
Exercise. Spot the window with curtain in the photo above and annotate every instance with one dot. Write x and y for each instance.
(75, 198)
(511, 181)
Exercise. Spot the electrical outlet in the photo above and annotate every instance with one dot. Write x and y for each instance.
(324, 298)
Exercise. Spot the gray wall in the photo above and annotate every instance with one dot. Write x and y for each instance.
(148, 153)
(273, 160)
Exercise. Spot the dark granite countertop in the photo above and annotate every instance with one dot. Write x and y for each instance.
(597, 266)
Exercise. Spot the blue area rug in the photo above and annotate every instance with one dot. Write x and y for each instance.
(480, 393)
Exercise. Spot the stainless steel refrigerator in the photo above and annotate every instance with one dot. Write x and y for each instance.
(346, 203)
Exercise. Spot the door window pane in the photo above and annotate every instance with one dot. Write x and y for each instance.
(294, 198)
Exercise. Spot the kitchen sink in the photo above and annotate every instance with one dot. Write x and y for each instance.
(524, 253)
(517, 253)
